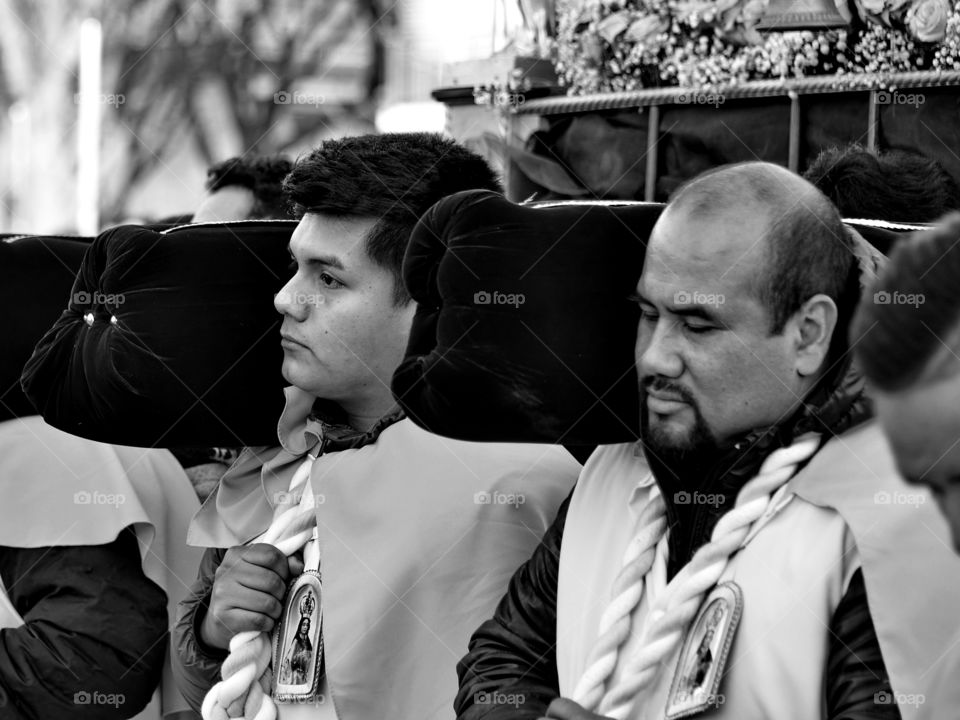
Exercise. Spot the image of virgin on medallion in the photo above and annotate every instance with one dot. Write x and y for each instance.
(703, 658)
(298, 657)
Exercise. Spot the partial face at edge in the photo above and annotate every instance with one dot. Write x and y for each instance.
(923, 426)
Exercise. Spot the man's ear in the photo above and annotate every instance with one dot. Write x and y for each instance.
(814, 324)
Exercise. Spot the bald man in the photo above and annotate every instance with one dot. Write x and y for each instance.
(723, 564)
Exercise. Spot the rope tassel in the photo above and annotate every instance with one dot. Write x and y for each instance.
(244, 690)
(675, 607)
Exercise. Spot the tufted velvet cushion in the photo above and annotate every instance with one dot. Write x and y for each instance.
(525, 331)
(36, 274)
(556, 368)
(169, 338)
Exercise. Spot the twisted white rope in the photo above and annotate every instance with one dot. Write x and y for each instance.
(674, 608)
(627, 590)
(244, 691)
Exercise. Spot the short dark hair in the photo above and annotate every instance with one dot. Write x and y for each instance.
(394, 178)
(809, 250)
(897, 342)
(897, 185)
(262, 175)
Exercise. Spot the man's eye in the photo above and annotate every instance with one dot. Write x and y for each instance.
(698, 329)
(648, 316)
(329, 281)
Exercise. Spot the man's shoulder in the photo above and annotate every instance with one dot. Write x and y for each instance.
(424, 446)
(853, 464)
(625, 459)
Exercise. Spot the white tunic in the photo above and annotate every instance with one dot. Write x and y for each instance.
(793, 574)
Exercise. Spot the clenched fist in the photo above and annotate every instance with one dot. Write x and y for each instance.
(248, 591)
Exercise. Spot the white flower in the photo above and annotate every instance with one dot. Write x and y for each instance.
(874, 7)
(927, 19)
(645, 30)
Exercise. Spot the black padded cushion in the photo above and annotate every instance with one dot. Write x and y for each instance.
(557, 367)
(194, 357)
(36, 274)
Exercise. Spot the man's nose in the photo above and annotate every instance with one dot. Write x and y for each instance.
(657, 352)
(288, 301)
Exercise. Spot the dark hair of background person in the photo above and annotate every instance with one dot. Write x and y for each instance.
(898, 339)
(262, 175)
(896, 185)
(394, 178)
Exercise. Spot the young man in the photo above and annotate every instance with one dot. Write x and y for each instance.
(723, 564)
(416, 535)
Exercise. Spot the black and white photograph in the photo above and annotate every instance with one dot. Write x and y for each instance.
(480, 359)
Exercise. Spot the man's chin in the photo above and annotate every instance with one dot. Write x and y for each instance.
(292, 373)
(669, 435)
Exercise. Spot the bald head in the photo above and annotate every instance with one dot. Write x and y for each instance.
(797, 244)
(764, 185)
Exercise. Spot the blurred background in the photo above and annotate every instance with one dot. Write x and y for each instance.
(111, 112)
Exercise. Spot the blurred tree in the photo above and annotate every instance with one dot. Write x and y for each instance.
(232, 76)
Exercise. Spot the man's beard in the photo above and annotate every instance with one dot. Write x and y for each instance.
(695, 447)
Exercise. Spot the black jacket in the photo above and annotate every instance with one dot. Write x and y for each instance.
(515, 652)
(94, 638)
(196, 666)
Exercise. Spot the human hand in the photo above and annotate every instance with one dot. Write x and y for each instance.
(248, 591)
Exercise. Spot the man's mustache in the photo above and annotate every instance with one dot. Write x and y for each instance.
(665, 387)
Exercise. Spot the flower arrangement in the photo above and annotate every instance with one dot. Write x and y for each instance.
(620, 45)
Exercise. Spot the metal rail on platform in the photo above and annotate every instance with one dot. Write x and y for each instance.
(793, 88)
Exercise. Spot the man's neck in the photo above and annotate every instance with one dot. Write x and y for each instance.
(363, 416)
